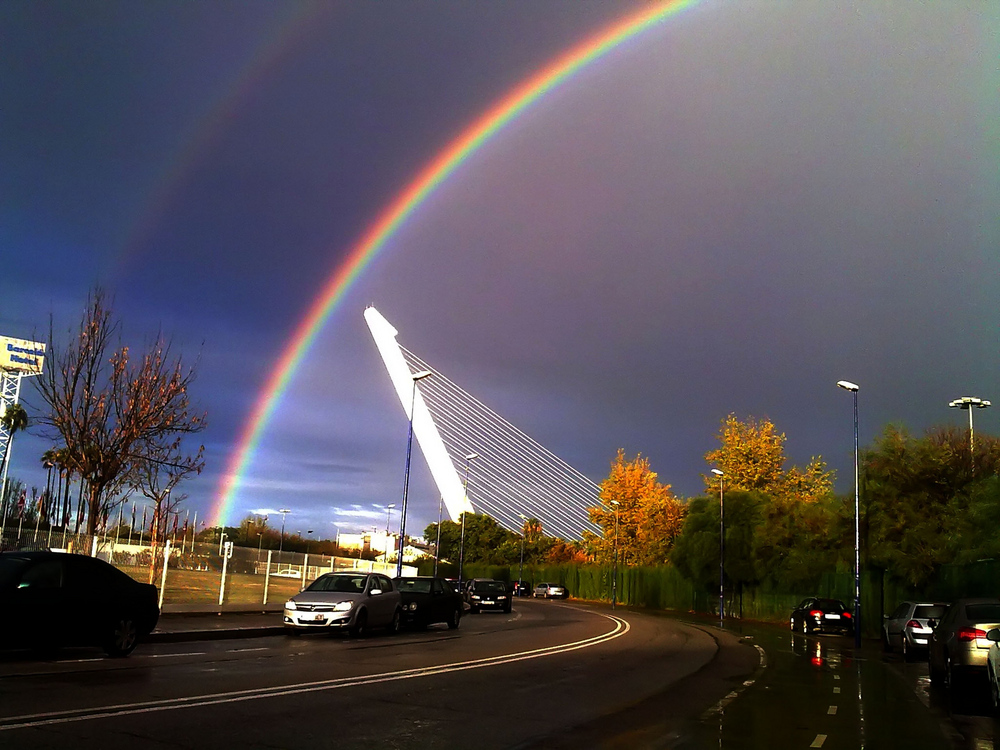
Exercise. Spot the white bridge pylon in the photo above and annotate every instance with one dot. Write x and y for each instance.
(514, 478)
(429, 439)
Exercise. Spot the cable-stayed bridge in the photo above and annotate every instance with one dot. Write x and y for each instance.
(510, 476)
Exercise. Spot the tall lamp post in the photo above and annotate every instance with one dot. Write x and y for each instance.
(281, 541)
(520, 568)
(969, 403)
(406, 475)
(722, 550)
(388, 517)
(461, 546)
(853, 388)
(614, 579)
(437, 543)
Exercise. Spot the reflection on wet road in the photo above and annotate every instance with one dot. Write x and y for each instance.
(819, 692)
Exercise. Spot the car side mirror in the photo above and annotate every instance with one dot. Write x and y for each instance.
(993, 635)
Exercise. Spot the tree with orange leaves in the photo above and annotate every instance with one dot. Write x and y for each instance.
(649, 517)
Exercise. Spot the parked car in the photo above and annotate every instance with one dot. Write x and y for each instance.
(487, 594)
(907, 627)
(521, 588)
(287, 573)
(56, 599)
(426, 600)
(550, 591)
(993, 668)
(354, 601)
(816, 615)
(958, 647)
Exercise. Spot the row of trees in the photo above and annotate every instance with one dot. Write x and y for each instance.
(926, 501)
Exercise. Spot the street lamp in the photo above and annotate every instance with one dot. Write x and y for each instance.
(520, 569)
(461, 546)
(388, 516)
(281, 542)
(406, 475)
(969, 403)
(437, 544)
(722, 550)
(849, 386)
(614, 580)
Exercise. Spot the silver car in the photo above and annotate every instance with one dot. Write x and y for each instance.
(908, 628)
(550, 591)
(354, 601)
(958, 645)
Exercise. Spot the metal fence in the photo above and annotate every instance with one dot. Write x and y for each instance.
(199, 573)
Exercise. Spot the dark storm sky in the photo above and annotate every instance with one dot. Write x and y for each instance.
(728, 213)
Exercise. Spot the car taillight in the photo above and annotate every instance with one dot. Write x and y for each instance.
(847, 615)
(913, 624)
(815, 613)
(969, 634)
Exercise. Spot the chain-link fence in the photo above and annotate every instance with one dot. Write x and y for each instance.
(196, 572)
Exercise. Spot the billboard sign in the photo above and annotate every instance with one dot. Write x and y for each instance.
(21, 356)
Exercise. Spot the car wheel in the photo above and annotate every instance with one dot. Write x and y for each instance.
(123, 637)
(473, 610)
(506, 610)
(805, 627)
(937, 675)
(886, 642)
(455, 619)
(394, 624)
(360, 629)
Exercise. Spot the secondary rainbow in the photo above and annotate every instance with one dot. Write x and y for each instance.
(393, 216)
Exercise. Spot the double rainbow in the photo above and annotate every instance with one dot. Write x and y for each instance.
(393, 216)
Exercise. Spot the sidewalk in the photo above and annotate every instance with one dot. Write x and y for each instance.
(201, 622)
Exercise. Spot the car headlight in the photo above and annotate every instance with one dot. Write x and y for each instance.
(501, 598)
(412, 606)
(476, 596)
(290, 605)
(342, 606)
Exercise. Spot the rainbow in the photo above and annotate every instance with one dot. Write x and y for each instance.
(393, 216)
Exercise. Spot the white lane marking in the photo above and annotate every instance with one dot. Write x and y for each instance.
(243, 650)
(621, 627)
(171, 656)
(836, 690)
(818, 742)
(836, 677)
(80, 661)
(832, 710)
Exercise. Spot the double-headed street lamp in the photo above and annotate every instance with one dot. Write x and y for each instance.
(853, 388)
(406, 476)
(969, 403)
(281, 542)
(614, 578)
(461, 546)
(722, 550)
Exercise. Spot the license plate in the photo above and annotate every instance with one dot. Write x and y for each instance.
(832, 617)
(487, 601)
(319, 618)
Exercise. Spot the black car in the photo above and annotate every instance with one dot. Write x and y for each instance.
(51, 599)
(427, 600)
(520, 588)
(484, 594)
(815, 615)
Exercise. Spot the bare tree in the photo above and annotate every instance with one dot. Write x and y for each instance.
(113, 410)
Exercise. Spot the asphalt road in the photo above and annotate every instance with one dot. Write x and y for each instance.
(500, 681)
(550, 675)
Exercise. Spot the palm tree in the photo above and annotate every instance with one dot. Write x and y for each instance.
(14, 419)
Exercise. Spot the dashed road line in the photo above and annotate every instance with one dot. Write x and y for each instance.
(818, 742)
(832, 710)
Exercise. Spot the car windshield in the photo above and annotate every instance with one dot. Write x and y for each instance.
(496, 586)
(929, 611)
(415, 585)
(345, 584)
(983, 612)
(831, 605)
